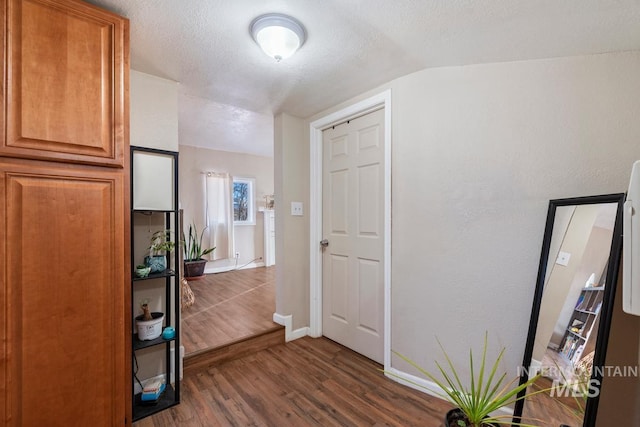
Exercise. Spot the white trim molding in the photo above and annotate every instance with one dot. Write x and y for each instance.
(376, 102)
(426, 386)
(212, 270)
(289, 333)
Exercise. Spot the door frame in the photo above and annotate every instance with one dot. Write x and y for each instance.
(376, 102)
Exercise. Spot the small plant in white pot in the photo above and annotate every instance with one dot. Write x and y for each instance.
(148, 324)
(193, 252)
(161, 243)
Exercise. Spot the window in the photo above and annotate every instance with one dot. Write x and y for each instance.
(243, 197)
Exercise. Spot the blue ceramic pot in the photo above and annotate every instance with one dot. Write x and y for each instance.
(157, 263)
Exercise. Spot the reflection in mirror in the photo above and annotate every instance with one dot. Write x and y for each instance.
(571, 311)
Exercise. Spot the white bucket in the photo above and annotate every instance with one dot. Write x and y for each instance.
(150, 329)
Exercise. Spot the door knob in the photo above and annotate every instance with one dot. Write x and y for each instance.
(324, 243)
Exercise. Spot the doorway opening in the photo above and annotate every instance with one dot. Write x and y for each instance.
(236, 297)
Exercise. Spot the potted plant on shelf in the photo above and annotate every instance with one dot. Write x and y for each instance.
(161, 243)
(148, 324)
(142, 270)
(193, 252)
(476, 403)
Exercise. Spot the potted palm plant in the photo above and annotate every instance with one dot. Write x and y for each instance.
(193, 252)
(161, 243)
(476, 403)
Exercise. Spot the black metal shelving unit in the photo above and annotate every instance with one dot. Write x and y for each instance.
(582, 321)
(170, 279)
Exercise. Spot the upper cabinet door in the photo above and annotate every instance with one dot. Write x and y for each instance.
(67, 68)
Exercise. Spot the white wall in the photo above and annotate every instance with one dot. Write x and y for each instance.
(154, 112)
(477, 152)
(154, 124)
(489, 145)
(249, 239)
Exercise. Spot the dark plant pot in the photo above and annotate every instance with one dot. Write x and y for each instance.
(157, 263)
(455, 415)
(194, 270)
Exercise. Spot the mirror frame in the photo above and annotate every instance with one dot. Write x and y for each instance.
(615, 254)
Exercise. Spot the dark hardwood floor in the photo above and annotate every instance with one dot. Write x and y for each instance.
(307, 382)
(229, 307)
(239, 372)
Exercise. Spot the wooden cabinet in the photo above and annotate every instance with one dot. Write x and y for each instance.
(64, 214)
(63, 295)
(65, 83)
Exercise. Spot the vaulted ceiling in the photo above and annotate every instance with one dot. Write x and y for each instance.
(229, 89)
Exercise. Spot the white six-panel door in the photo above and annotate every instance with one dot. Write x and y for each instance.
(353, 225)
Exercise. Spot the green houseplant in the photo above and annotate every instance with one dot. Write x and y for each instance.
(193, 252)
(487, 392)
(160, 244)
(142, 270)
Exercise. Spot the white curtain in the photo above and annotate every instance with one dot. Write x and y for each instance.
(219, 214)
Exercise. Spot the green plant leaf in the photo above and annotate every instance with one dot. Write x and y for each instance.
(193, 248)
(486, 393)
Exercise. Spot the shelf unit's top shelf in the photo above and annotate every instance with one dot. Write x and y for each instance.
(166, 273)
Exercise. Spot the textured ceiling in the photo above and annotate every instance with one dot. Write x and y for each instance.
(352, 46)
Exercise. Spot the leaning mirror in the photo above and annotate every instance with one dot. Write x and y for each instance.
(571, 311)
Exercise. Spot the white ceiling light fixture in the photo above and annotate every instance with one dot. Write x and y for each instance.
(278, 35)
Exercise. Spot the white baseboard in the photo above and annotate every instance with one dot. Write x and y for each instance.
(425, 386)
(417, 383)
(212, 270)
(172, 352)
(289, 333)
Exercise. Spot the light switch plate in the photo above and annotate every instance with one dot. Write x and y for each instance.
(563, 258)
(296, 208)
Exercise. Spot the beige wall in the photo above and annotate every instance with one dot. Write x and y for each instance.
(292, 252)
(249, 239)
(477, 152)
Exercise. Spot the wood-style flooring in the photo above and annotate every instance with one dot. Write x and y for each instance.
(229, 307)
(546, 410)
(252, 378)
(307, 382)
